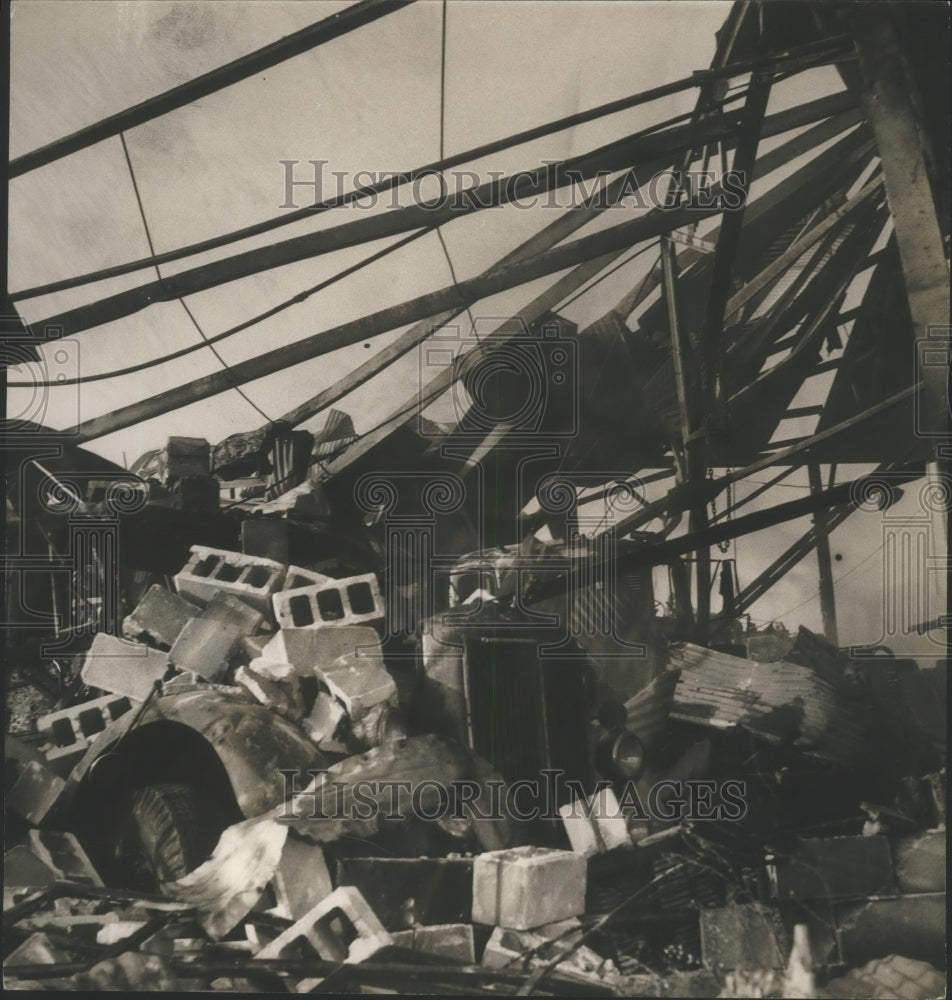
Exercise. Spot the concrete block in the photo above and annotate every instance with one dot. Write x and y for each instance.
(302, 879)
(507, 947)
(341, 928)
(184, 456)
(34, 791)
(266, 538)
(275, 685)
(72, 730)
(232, 610)
(408, 892)
(205, 647)
(159, 617)
(595, 825)
(123, 667)
(35, 787)
(352, 601)
(920, 862)
(743, 936)
(381, 724)
(834, 868)
(358, 682)
(451, 941)
(309, 649)
(525, 887)
(325, 718)
(299, 577)
(211, 570)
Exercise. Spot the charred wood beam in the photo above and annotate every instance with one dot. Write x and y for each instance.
(344, 21)
(611, 157)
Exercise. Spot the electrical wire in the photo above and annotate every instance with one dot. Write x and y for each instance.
(821, 55)
(244, 325)
(188, 312)
(839, 579)
(439, 229)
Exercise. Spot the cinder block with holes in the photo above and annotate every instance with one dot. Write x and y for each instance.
(72, 730)
(341, 928)
(209, 571)
(352, 601)
(299, 577)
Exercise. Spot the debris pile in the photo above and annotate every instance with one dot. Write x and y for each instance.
(746, 830)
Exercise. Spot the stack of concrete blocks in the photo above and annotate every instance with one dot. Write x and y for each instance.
(533, 896)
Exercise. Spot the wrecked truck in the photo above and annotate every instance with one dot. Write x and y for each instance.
(511, 689)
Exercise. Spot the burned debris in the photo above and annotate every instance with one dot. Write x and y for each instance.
(401, 711)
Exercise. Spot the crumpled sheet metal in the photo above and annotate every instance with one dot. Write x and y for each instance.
(229, 884)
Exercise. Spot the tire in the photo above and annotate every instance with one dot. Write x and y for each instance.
(171, 838)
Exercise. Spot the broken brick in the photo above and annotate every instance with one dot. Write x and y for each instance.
(525, 887)
(308, 649)
(123, 667)
(743, 936)
(359, 682)
(596, 824)
(834, 868)
(205, 647)
(451, 941)
(159, 617)
(275, 685)
(211, 570)
(325, 718)
(266, 538)
(341, 928)
(72, 730)
(352, 601)
(232, 610)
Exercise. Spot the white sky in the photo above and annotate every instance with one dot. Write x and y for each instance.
(367, 101)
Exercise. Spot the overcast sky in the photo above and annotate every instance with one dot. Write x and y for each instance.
(366, 101)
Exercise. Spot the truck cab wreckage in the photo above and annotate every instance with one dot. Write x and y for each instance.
(445, 707)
